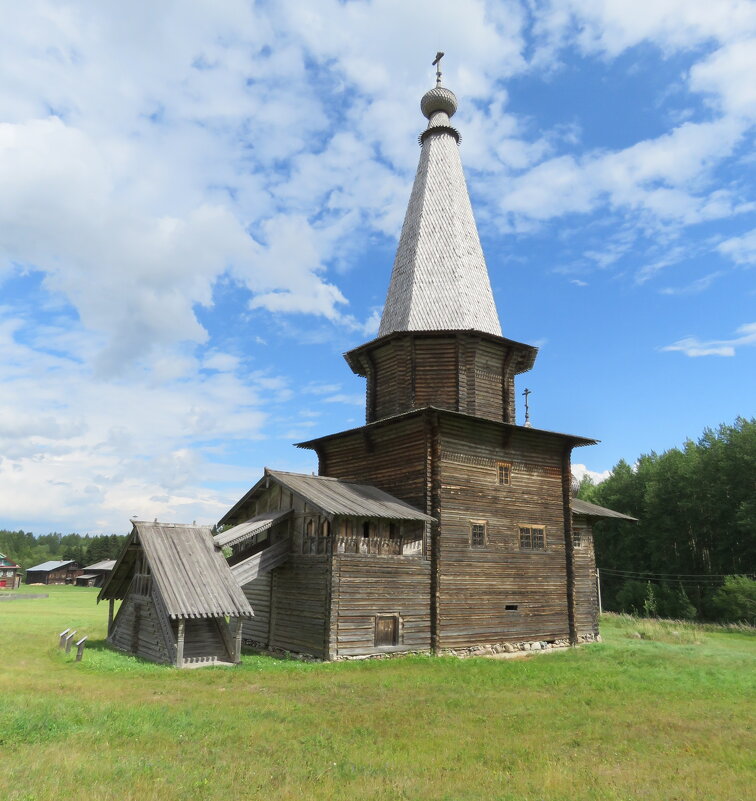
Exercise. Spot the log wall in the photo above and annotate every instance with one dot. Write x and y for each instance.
(257, 593)
(365, 586)
(475, 585)
(299, 605)
(586, 591)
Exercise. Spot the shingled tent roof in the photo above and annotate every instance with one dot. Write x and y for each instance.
(191, 574)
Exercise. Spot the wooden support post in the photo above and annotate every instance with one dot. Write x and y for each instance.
(598, 589)
(69, 640)
(111, 606)
(569, 546)
(80, 648)
(237, 640)
(62, 638)
(180, 643)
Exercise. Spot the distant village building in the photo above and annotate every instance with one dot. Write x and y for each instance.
(10, 573)
(176, 592)
(54, 572)
(438, 526)
(96, 574)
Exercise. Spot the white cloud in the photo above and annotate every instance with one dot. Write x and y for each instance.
(580, 470)
(741, 249)
(692, 346)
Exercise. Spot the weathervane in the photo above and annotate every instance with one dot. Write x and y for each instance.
(437, 65)
(527, 410)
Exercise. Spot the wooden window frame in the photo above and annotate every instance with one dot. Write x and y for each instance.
(504, 474)
(484, 525)
(578, 537)
(530, 528)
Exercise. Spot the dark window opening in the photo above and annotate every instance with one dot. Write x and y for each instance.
(510, 608)
(366, 528)
(577, 538)
(393, 531)
(386, 630)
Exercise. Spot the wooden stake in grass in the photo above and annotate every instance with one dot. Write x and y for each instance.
(62, 638)
(69, 640)
(80, 648)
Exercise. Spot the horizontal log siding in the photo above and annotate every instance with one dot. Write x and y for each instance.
(392, 366)
(299, 605)
(586, 592)
(436, 373)
(136, 631)
(257, 593)
(391, 458)
(366, 586)
(202, 638)
(476, 584)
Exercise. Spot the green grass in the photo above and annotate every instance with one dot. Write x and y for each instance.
(665, 716)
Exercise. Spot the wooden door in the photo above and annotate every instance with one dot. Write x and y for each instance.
(386, 630)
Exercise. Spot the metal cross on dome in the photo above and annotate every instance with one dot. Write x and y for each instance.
(437, 65)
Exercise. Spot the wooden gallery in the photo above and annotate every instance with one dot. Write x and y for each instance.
(438, 526)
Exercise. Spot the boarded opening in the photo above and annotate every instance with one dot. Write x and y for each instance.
(386, 630)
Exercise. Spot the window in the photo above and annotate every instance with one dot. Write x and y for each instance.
(308, 528)
(325, 529)
(393, 531)
(532, 538)
(510, 607)
(504, 473)
(386, 630)
(478, 535)
(577, 537)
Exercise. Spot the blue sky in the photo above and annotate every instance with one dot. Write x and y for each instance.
(200, 206)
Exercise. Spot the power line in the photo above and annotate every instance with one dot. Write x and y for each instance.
(673, 575)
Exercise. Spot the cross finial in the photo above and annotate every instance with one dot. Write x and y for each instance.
(437, 65)
(527, 409)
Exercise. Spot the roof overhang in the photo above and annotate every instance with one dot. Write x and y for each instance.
(526, 353)
(527, 431)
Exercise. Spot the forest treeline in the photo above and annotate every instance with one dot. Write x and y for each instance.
(29, 550)
(692, 553)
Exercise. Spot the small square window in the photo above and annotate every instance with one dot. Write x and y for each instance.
(478, 535)
(504, 473)
(577, 538)
(532, 538)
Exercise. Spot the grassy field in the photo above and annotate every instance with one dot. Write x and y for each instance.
(664, 716)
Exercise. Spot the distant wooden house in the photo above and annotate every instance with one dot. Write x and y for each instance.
(176, 593)
(10, 573)
(95, 575)
(54, 572)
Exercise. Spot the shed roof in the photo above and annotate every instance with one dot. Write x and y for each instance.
(249, 528)
(594, 510)
(191, 574)
(332, 496)
(47, 567)
(105, 564)
(6, 561)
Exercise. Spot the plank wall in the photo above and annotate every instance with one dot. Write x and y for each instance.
(475, 584)
(364, 586)
(136, 630)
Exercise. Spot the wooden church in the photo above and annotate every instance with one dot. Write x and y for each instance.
(479, 551)
(440, 525)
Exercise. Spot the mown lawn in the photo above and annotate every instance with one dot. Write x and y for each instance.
(668, 717)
